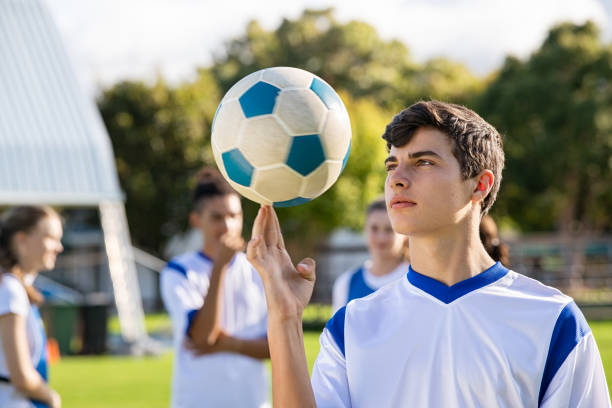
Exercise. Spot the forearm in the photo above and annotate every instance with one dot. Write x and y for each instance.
(290, 379)
(256, 348)
(206, 323)
(34, 387)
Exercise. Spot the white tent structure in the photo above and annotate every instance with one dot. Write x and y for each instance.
(54, 148)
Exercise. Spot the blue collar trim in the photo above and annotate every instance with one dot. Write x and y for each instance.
(204, 256)
(447, 294)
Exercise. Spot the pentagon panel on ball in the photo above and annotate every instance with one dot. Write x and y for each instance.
(281, 136)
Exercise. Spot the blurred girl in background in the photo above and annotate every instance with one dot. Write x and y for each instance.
(30, 240)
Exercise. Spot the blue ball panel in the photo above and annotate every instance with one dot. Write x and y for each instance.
(237, 167)
(326, 93)
(259, 99)
(306, 154)
(292, 202)
(346, 156)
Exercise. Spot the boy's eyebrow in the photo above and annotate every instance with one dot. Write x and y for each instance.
(390, 159)
(414, 155)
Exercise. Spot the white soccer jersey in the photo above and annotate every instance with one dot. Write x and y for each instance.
(498, 339)
(14, 300)
(219, 379)
(360, 282)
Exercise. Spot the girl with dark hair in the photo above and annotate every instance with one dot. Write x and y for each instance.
(30, 240)
(386, 264)
(216, 302)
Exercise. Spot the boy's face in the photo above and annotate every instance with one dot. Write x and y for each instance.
(219, 216)
(424, 190)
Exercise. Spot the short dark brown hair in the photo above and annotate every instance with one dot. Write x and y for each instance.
(209, 183)
(476, 144)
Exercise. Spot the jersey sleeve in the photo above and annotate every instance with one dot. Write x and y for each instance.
(340, 291)
(179, 299)
(574, 375)
(329, 379)
(13, 297)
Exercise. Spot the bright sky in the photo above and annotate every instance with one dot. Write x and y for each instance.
(115, 39)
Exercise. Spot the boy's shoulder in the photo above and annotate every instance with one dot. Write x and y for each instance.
(524, 287)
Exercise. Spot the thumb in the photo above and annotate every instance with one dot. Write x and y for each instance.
(306, 268)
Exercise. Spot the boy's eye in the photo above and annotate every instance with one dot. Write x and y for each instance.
(424, 162)
(390, 166)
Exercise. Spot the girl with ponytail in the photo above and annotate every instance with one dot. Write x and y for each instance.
(30, 240)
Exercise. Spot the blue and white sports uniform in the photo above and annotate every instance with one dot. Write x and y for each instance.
(218, 379)
(498, 339)
(360, 282)
(14, 300)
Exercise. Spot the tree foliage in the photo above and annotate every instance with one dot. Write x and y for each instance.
(555, 109)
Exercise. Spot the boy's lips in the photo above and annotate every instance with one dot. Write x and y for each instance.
(401, 202)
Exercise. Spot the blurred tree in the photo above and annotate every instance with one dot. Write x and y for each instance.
(161, 135)
(160, 138)
(556, 112)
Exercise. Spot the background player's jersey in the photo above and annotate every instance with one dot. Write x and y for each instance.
(498, 339)
(14, 300)
(360, 282)
(218, 379)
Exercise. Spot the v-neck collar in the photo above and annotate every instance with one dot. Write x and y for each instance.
(447, 294)
(204, 256)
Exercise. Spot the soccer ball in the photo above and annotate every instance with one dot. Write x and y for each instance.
(281, 136)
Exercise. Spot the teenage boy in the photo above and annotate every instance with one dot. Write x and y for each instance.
(218, 310)
(460, 330)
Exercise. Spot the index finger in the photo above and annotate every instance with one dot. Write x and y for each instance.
(258, 224)
(277, 229)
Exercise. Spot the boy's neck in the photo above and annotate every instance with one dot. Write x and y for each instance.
(449, 256)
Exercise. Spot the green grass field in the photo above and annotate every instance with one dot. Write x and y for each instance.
(100, 382)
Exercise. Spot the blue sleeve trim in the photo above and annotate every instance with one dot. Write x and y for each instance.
(335, 325)
(570, 328)
(191, 314)
(177, 267)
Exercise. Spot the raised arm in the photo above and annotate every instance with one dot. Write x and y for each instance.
(205, 327)
(288, 290)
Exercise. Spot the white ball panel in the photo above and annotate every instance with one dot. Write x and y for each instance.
(227, 126)
(277, 183)
(287, 77)
(301, 111)
(336, 135)
(321, 179)
(263, 142)
(241, 86)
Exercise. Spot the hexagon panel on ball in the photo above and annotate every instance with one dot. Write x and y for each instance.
(301, 111)
(321, 179)
(336, 135)
(226, 128)
(277, 183)
(263, 142)
(287, 77)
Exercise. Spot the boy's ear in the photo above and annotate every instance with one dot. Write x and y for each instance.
(484, 183)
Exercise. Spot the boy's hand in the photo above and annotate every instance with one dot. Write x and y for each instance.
(228, 246)
(288, 288)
